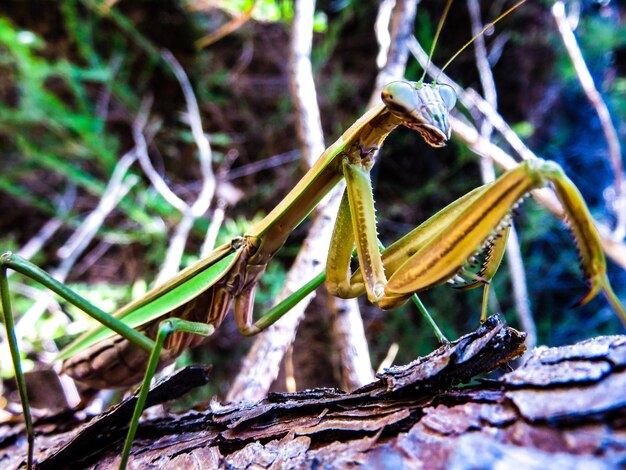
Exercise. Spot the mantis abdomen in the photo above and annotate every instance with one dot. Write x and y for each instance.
(118, 362)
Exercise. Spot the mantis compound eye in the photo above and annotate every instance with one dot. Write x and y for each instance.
(447, 95)
(399, 96)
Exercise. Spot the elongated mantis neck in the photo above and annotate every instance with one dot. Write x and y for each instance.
(360, 141)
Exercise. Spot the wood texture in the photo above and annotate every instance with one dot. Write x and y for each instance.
(565, 406)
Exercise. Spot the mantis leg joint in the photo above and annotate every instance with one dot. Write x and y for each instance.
(6, 257)
(544, 168)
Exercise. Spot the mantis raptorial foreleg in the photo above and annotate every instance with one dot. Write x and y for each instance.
(444, 247)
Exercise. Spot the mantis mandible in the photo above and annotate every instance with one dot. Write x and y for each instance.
(462, 243)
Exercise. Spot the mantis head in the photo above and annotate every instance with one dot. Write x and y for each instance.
(425, 107)
(422, 107)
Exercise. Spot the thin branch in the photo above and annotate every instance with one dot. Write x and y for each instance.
(34, 245)
(199, 137)
(221, 203)
(381, 28)
(141, 147)
(117, 187)
(262, 363)
(219, 214)
(201, 205)
(471, 100)
(401, 28)
(484, 70)
(389, 358)
(176, 249)
(265, 164)
(233, 25)
(520, 288)
(92, 257)
(595, 98)
(468, 134)
(104, 96)
(349, 333)
(302, 85)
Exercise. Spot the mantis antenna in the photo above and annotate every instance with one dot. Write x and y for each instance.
(436, 38)
(480, 33)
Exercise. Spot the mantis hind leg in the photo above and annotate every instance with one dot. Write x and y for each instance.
(11, 261)
(166, 328)
(244, 318)
(17, 364)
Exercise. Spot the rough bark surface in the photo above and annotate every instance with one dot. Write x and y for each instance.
(565, 407)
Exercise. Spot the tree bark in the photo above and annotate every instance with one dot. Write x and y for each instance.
(566, 406)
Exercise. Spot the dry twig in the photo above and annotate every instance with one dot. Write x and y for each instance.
(594, 97)
(262, 363)
(204, 198)
(117, 187)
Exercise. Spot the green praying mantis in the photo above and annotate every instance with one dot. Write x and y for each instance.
(462, 244)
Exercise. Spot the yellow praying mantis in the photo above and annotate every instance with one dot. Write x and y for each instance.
(463, 244)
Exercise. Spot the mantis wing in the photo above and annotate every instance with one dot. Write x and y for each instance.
(187, 285)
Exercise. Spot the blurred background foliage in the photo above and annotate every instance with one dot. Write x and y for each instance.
(73, 77)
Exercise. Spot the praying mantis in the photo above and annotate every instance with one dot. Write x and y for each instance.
(463, 243)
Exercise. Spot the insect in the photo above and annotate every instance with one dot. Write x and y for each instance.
(464, 243)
